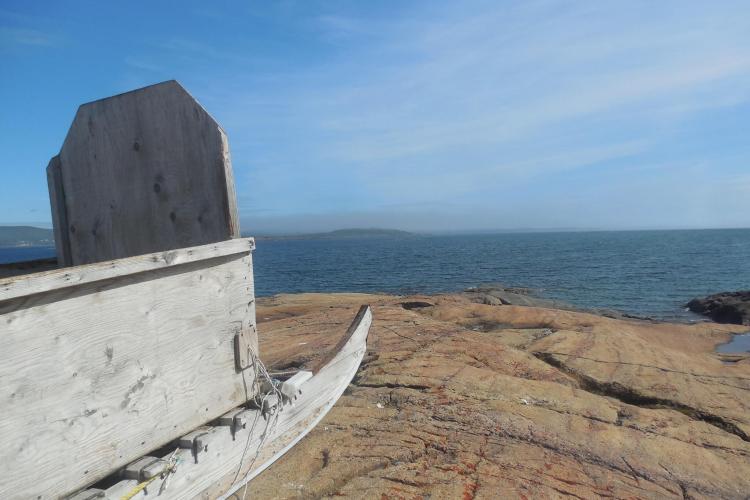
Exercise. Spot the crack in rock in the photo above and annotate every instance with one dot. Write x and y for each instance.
(630, 396)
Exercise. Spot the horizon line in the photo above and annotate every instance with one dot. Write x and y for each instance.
(48, 225)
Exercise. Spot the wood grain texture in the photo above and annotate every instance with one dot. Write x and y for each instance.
(133, 355)
(144, 171)
(14, 287)
(234, 458)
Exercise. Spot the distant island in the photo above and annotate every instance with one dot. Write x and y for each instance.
(342, 234)
(23, 236)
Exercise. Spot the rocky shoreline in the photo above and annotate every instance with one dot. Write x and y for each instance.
(496, 295)
(725, 307)
(460, 398)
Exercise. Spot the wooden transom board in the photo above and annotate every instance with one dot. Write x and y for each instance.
(141, 172)
(102, 363)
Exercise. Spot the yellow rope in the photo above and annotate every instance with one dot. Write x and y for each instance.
(141, 486)
(169, 468)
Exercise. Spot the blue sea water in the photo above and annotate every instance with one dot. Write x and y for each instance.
(20, 254)
(646, 273)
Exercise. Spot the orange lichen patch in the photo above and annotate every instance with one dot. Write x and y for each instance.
(470, 489)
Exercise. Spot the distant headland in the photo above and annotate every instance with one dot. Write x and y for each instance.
(22, 236)
(341, 234)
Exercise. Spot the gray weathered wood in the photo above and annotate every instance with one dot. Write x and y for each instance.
(141, 172)
(233, 459)
(235, 419)
(59, 213)
(143, 468)
(197, 440)
(90, 494)
(115, 359)
(290, 388)
(243, 348)
(56, 279)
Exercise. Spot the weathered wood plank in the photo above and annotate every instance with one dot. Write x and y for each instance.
(59, 213)
(141, 172)
(91, 494)
(231, 459)
(134, 354)
(143, 468)
(56, 279)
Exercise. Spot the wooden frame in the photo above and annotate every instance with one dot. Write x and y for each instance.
(102, 363)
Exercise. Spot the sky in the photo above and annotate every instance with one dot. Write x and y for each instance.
(427, 116)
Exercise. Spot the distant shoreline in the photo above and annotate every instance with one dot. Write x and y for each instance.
(644, 274)
(31, 236)
(25, 236)
(341, 234)
(30, 244)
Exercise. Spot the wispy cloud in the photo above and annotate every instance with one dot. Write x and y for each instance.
(13, 37)
(474, 103)
(499, 77)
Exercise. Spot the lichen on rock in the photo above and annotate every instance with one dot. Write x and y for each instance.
(535, 403)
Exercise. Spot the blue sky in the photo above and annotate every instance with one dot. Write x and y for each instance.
(413, 115)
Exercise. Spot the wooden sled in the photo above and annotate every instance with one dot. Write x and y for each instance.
(129, 365)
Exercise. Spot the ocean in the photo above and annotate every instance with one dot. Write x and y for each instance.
(19, 254)
(645, 273)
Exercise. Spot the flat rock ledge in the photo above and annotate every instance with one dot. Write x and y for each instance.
(459, 399)
(725, 307)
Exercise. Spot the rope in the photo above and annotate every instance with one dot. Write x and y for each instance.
(260, 401)
(169, 468)
(173, 460)
(138, 489)
(261, 374)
